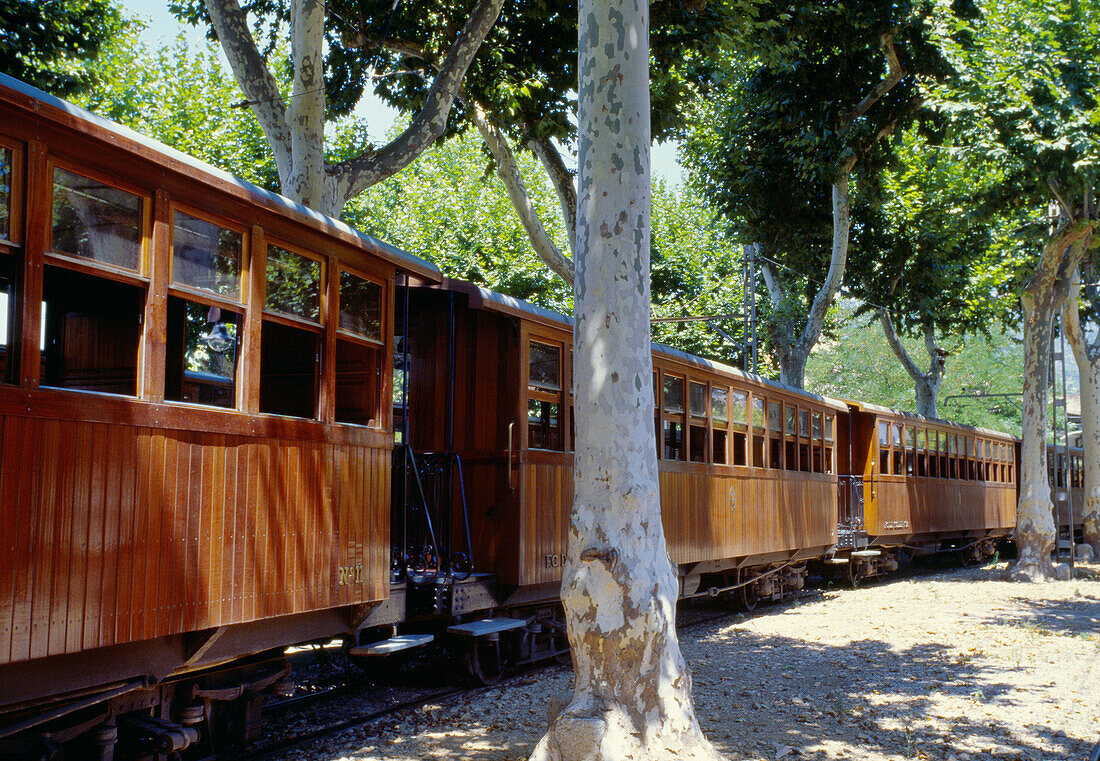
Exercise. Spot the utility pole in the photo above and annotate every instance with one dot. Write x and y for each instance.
(748, 307)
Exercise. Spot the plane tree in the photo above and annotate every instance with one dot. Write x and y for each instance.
(800, 134)
(49, 43)
(1026, 102)
(927, 241)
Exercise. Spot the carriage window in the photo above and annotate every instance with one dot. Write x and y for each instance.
(775, 434)
(899, 457)
(95, 221)
(719, 409)
(884, 448)
(922, 453)
(5, 193)
(360, 306)
(91, 329)
(202, 354)
(697, 406)
(804, 461)
(816, 431)
(738, 409)
(757, 432)
(293, 284)
(828, 443)
(289, 360)
(672, 395)
(909, 450)
(544, 392)
(206, 256)
(358, 382)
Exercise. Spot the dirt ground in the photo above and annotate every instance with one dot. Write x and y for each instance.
(956, 665)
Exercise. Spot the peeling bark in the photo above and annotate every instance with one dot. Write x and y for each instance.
(792, 345)
(632, 695)
(509, 173)
(561, 179)
(926, 384)
(1042, 298)
(1087, 354)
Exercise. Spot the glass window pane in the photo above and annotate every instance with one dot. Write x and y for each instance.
(804, 423)
(950, 444)
(545, 372)
(360, 306)
(897, 434)
(95, 221)
(828, 428)
(543, 424)
(790, 418)
(758, 413)
(206, 256)
(720, 398)
(5, 193)
(817, 425)
(775, 417)
(202, 354)
(884, 434)
(697, 399)
(908, 437)
(674, 394)
(293, 284)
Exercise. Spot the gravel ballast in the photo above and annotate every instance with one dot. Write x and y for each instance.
(956, 665)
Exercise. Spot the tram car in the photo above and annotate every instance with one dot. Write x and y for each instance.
(1066, 474)
(921, 485)
(196, 437)
(748, 468)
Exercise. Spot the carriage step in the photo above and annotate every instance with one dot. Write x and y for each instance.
(486, 627)
(866, 553)
(391, 645)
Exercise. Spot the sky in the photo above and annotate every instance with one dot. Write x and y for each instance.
(163, 28)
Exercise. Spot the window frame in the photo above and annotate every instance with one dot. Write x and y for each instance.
(18, 200)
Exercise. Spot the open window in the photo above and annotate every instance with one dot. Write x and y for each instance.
(922, 452)
(544, 396)
(697, 425)
(359, 351)
(909, 456)
(804, 463)
(720, 401)
(672, 397)
(290, 341)
(884, 448)
(757, 432)
(830, 424)
(952, 457)
(790, 433)
(775, 435)
(93, 288)
(817, 444)
(205, 311)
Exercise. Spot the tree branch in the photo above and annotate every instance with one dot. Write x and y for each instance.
(897, 73)
(254, 79)
(510, 175)
(842, 221)
(898, 347)
(357, 174)
(563, 182)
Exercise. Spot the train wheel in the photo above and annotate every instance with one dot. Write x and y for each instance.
(852, 574)
(484, 660)
(748, 597)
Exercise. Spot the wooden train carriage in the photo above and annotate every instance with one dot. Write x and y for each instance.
(195, 409)
(1066, 474)
(927, 482)
(747, 467)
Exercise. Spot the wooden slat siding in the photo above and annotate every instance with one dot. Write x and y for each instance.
(9, 530)
(932, 505)
(254, 535)
(82, 529)
(30, 476)
(61, 573)
(93, 579)
(41, 556)
(111, 508)
(128, 495)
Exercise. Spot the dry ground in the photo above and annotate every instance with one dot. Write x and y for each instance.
(957, 665)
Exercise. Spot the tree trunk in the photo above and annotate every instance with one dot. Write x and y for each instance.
(1043, 297)
(926, 384)
(632, 695)
(1087, 354)
(793, 346)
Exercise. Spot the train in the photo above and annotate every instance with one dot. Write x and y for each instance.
(230, 425)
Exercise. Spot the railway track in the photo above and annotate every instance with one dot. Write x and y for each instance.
(341, 697)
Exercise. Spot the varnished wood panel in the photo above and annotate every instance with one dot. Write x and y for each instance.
(116, 533)
(914, 506)
(707, 513)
